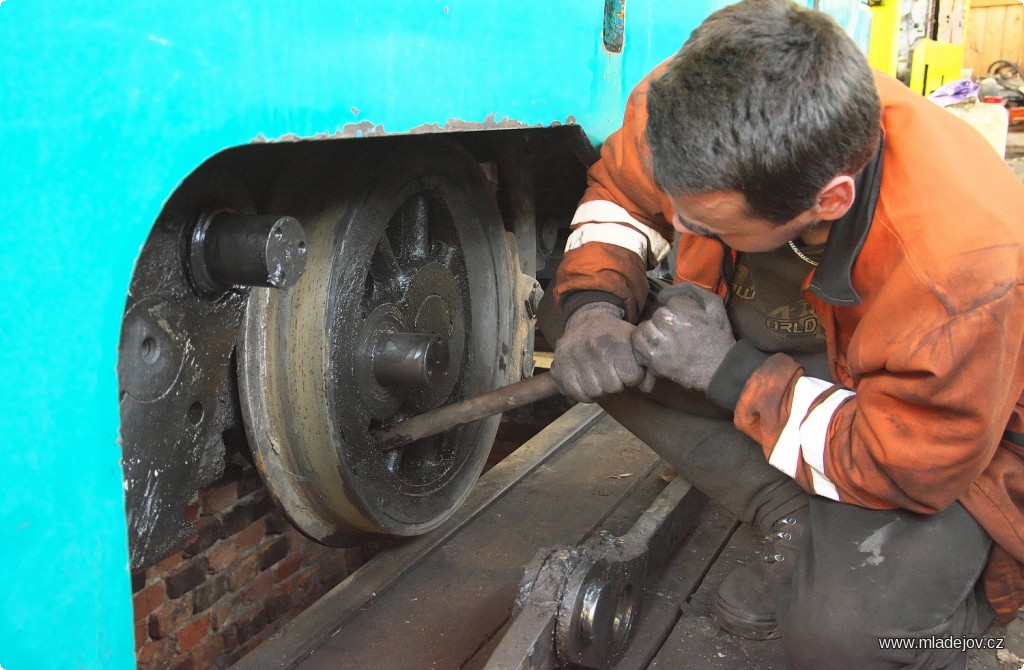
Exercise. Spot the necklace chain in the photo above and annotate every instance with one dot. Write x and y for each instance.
(802, 255)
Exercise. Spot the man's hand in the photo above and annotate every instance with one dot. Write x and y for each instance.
(594, 356)
(687, 338)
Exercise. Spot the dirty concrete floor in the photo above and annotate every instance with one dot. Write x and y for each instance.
(1011, 657)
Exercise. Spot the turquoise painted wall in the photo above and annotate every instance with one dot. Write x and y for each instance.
(104, 109)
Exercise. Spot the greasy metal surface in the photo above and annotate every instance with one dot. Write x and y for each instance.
(418, 249)
(600, 589)
(353, 596)
(599, 609)
(174, 359)
(228, 249)
(419, 360)
(499, 400)
(528, 642)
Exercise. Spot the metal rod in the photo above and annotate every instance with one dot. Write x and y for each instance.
(488, 404)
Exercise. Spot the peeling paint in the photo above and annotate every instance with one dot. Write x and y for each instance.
(370, 129)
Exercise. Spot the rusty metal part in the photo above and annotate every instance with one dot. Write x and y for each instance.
(580, 605)
(229, 249)
(487, 404)
(415, 246)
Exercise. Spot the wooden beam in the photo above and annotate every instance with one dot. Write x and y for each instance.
(976, 4)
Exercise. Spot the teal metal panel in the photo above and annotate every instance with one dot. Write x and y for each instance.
(104, 108)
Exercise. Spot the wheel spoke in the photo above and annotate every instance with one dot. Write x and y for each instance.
(385, 271)
(415, 225)
(446, 254)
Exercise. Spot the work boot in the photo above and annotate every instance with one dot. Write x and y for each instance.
(746, 599)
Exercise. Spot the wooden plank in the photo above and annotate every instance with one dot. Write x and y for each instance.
(697, 642)
(974, 42)
(992, 40)
(1013, 40)
(658, 620)
(982, 4)
(952, 14)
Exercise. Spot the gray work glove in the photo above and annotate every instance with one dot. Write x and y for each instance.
(687, 338)
(594, 356)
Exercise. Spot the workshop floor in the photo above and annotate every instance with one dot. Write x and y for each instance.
(443, 601)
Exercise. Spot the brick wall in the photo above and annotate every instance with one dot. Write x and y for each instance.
(244, 575)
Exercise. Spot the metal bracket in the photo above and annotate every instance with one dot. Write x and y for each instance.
(581, 605)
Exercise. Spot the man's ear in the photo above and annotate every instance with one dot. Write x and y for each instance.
(836, 198)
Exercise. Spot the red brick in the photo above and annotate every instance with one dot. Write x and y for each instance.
(249, 536)
(141, 634)
(243, 572)
(193, 633)
(208, 593)
(258, 589)
(184, 580)
(249, 626)
(148, 599)
(307, 586)
(258, 639)
(155, 654)
(209, 530)
(219, 614)
(163, 567)
(287, 567)
(229, 634)
(170, 616)
(204, 655)
(218, 499)
(221, 555)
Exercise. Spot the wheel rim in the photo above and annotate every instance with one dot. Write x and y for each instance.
(421, 254)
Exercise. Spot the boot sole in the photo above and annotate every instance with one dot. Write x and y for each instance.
(743, 625)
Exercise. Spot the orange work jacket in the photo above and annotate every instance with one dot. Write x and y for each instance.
(922, 305)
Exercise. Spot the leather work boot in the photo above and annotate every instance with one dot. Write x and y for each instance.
(746, 599)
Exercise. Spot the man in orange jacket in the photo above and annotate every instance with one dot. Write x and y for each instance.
(841, 360)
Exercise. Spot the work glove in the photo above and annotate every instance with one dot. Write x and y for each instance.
(594, 356)
(687, 338)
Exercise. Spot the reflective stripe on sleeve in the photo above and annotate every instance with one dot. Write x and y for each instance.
(638, 237)
(813, 432)
(786, 453)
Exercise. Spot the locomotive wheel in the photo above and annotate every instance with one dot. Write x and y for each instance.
(406, 304)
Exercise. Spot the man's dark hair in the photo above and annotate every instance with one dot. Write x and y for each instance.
(766, 98)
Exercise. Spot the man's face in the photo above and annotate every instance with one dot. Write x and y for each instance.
(725, 215)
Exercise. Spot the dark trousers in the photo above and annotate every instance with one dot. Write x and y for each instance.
(861, 575)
